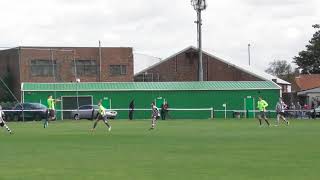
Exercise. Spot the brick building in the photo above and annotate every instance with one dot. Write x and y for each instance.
(65, 64)
(183, 66)
(308, 89)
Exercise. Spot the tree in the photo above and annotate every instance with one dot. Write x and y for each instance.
(282, 69)
(309, 60)
(279, 68)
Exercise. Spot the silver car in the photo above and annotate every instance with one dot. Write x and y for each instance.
(90, 112)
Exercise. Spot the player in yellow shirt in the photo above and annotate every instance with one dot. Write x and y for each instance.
(262, 105)
(51, 110)
(102, 115)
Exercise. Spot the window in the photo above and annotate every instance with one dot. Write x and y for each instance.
(40, 67)
(85, 107)
(116, 70)
(85, 67)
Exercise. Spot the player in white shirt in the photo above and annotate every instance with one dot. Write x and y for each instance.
(155, 115)
(2, 122)
(280, 107)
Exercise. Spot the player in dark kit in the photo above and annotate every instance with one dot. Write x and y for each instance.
(155, 115)
(2, 122)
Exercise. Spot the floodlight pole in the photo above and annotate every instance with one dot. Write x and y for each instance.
(199, 5)
(100, 59)
(200, 45)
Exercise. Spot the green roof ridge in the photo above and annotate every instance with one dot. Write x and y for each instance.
(141, 86)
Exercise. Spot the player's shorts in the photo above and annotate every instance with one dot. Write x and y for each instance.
(281, 113)
(104, 118)
(262, 114)
(1, 122)
(51, 113)
(155, 117)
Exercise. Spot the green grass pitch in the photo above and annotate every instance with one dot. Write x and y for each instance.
(177, 149)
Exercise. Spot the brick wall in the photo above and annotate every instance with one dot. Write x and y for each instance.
(184, 67)
(9, 66)
(65, 62)
(64, 57)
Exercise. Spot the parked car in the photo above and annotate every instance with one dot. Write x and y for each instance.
(27, 111)
(90, 112)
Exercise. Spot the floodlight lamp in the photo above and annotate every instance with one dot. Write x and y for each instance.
(194, 3)
(199, 4)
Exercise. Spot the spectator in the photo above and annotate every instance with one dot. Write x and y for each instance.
(164, 110)
(313, 108)
(299, 108)
(312, 105)
(306, 109)
(131, 109)
(292, 110)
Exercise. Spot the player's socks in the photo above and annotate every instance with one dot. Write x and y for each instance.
(8, 129)
(267, 122)
(107, 124)
(45, 125)
(95, 124)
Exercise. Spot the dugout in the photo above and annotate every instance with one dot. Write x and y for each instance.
(187, 100)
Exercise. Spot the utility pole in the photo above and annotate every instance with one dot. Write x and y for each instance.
(100, 57)
(53, 66)
(199, 5)
(249, 55)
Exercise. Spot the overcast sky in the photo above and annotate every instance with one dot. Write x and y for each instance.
(276, 29)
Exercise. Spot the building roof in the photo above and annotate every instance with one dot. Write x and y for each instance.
(151, 86)
(60, 47)
(309, 91)
(308, 81)
(248, 69)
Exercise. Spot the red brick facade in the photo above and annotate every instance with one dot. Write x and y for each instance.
(184, 67)
(18, 62)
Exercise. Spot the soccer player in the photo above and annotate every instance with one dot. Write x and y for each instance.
(262, 105)
(155, 115)
(102, 115)
(51, 110)
(2, 122)
(280, 107)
